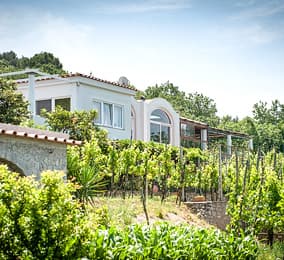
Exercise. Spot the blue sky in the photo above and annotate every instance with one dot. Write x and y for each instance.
(229, 50)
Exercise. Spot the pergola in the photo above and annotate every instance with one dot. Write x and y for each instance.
(201, 133)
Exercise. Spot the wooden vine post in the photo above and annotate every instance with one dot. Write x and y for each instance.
(220, 180)
(181, 189)
(144, 190)
(237, 176)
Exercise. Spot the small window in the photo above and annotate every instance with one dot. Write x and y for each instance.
(108, 114)
(117, 118)
(43, 104)
(97, 107)
(64, 103)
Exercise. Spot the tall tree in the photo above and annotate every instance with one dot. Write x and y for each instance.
(78, 124)
(44, 61)
(193, 105)
(270, 124)
(13, 108)
(201, 108)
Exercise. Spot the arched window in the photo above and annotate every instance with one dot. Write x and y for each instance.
(160, 127)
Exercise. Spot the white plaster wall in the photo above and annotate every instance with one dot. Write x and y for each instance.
(138, 107)
(143, 113)
(53, 89)
(83, 92)
(50, 90)
(88, 94)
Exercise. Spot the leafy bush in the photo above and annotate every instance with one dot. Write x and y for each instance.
(170, 242)
(40, 220)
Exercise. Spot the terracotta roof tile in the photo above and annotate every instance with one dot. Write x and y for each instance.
(71, 75)
(26, 132)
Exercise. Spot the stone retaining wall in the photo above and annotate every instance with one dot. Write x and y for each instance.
(31, 156)
(214, 212)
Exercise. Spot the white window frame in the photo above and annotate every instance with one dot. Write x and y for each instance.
(160, 124)
(101, 102)
(62, 97)
(53, 102)
(42, 99)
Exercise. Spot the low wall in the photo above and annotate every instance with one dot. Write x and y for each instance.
(214, 212)
(32, 156)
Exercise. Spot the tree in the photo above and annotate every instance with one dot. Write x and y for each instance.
(78, 124)
(269, 123)
(193, 105)
(13, 108)
(202, 108)
(44, 61)
(273, 114)
(40, 220)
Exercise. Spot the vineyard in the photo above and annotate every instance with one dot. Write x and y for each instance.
(55, 219)
(252, 183)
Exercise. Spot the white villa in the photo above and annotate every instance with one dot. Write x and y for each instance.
(119, 112)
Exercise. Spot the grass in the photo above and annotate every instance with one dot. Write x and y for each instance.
(124, 212)
(274, 253)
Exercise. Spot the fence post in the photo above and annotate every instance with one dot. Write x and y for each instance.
(220, 181)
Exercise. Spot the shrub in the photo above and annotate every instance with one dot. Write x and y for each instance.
(40, 220)
(171, 242)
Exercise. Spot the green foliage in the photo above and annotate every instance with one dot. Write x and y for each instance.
(255, 199)
(126, 166)
(44, 61)
(270, 124)
(266, 127)
(86, 168)
(13, 108)
(40, 220)
(78, 124)
(193, 105)
(171, 242)
(271, 253)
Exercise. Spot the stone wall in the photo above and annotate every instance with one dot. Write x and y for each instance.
(32, 156)
(214, 212)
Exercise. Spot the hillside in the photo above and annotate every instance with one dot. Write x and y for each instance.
(122, 212)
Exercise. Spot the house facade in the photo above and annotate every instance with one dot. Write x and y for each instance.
(81, 92)
(119, 112)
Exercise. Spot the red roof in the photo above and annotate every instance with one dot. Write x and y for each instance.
(70, 75)
(44, 135)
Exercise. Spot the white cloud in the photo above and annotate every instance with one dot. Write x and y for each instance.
(36, 31)
(145, 6)
(243, 3)
(252, 34)
(264, 9)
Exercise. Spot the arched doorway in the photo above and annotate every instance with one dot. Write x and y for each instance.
(160, 127)
(11, 166)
